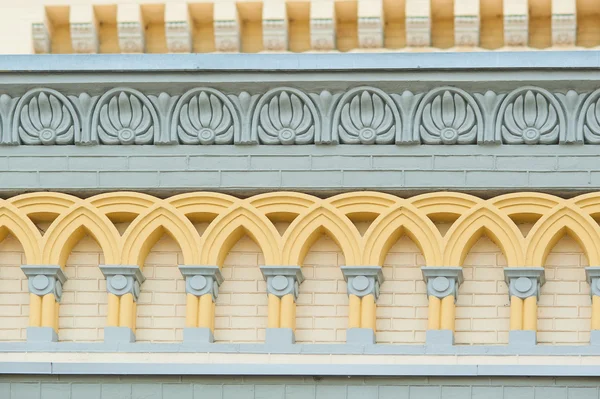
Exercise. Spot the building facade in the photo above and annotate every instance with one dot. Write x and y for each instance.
(394, 222)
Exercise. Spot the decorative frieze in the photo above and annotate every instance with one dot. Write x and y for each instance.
(123, 279)
(202, 280)
(524, 282)
(45, 279)
(283, 280)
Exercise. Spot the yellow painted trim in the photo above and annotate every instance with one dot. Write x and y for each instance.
(126, 314)
(288, 312)
(434, 313)
(354, 311)
(368, 311)
(516, 313)
(113, 310)
(35, 310)
(530, 313)
(205, 311)
(48, 311)
(595, 312)
(274, 311)
(191, 310)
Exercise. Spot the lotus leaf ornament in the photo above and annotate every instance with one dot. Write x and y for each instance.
(286, 119)
(448, 119)
(530, 118)
(125, 120)
(590, 119)
(205, 119)
(367, 119)
(45, 119)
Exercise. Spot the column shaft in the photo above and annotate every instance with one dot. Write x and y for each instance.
(368, 309)
(126, 311)
(48, 311)
(191, 311)
(448, 313)
(516, 313)
(274, 311)
(288, 312)
(113, 310)
(35, 310)
(434, 313)
(353, 311)
(530, 314)
(56, 305)
(205, 313)
(595, 312)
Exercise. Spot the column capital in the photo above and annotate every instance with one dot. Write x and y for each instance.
(123, 279)
(202, 280)
(592, 274)
(442, 281)
(282, 280)
(45, 279)
(363, 280)
(524, 282)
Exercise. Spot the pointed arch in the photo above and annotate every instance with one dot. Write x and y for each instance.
(13, 221)
(525, 203)
(43, 203)
(363, 202)
(481, 220)
(71, 226)
(588, 203)
(389, 227)
(307, 228)
(228, 228)
(148, 228)
(553, 226)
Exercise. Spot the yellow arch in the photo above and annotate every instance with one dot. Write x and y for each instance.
(525, 203)
(147, 229)
(588, 203)
(445, 203)
(483, 219)
(283, 202)
(306, 229)
(202, 203)
(122, 202)
(16, 223)
(553, 226)
(387, 228)
(71, 226)
(228, 228)
(363, 202)
(43, 203)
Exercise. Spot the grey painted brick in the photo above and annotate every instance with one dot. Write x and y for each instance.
(19, 179)
(250, 179)
(269, 391)
(55, 390)
(423, 392)
(562, 179)
(331, 392)
(5, 390)
(21, 390)
(463, 163)
(578, 163)
(393, 392)
(539, 163)
(189, 179)
(116, 391)
(362, 392)
(158, 163)
(98, 163)
(341, 162)
(238, 391)
(207, 391)
(550, 393)
(86, 391)
(43, 163)
(373, 179)
(299, 391)
(128, 179)
(583, 393)
(179, 391)
(68, 179)
(146, 391)
(311, 178)
(434, 179)
(497, 179)
(487, 393)
(403, 163)
(280, 163)
(219, 162)
(456, 392)
(521, 392)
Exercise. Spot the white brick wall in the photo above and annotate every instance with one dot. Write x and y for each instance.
(14, 297)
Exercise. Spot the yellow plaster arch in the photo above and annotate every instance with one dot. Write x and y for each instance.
(44, 203)
(445, 203)
(228, 228)
(389, 227)
(525, 203)
(146, 230)
(207, 203)
(553, 226)
(363, 202)
(483, 219)
(306, 229)
(71, 226)
(122, 202)
(588, 203)
(13, 221)
(283, 202)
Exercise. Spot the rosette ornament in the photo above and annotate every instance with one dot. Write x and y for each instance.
(203, 117)
(286, 119)
(125, 117)
(448, 117)
(46, 117)
(366, 116)
(529, 118)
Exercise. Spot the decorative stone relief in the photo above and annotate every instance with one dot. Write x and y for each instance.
(42, 44)
(45, 279)
(588, 121)
(322, 34)
(466, 30)
(125, 116)
(178, 35)
(275, 34)
(442, 281)
(448, 116)
(45, 116)
(564, 29)
(363, 280)
(367, 116)
(524, 282)
(530, 115)
(84, 38)
(593, 278)
(123, 279)
(370, 32)
(418, 31)
(131, 37)
(202, 280)
(227, 36)
(516, 30)
(283, 280)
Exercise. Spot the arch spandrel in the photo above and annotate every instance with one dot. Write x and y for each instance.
(553, 226)
(13, 221)
(71, 226)
(146, 230)
(370, 202)
(588, 203)
(283, 202)
(306, 229)
(483, 219)
(122, 202)
(44, 203)
(209, 203)
(389, 227)
(525, 203)
(222, 234)
(445, 203)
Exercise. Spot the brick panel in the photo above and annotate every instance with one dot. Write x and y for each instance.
(14, 297)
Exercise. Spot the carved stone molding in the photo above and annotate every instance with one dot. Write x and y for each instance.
(322, 34)
(592, 274)
(45, 279)
(84, 37)
(42, 43)
(363, 280)
(178, 35)
(466, 30)
(123, 279)
(442, 281)
(202, 280)
(524, 282)
(283, 280)
(131, 37)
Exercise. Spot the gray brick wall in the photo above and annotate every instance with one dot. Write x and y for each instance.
(238, 387)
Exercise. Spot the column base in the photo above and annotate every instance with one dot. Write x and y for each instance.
(360, 336)
(595, 337)
(280, 336)
(522, 338)
(439, 338)
(118, 335)
(41, 334)
(198, 335)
